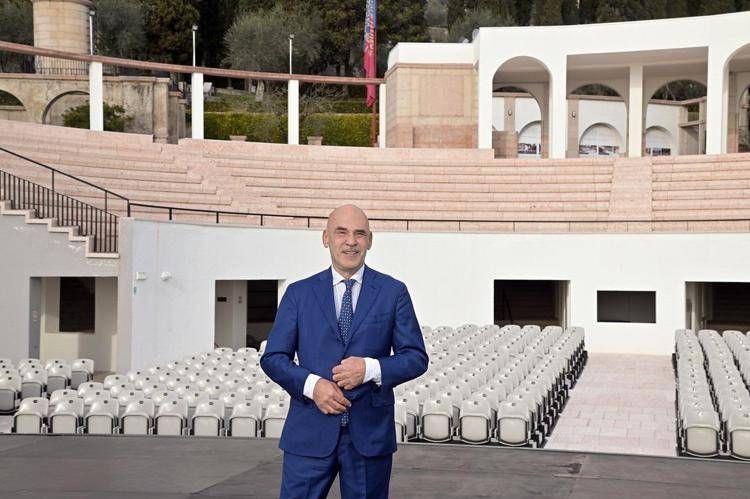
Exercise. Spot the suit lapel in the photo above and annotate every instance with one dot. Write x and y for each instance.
(324, 294)
(367, 296)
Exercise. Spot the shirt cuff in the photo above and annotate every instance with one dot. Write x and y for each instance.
(372, 371)
(309, 387)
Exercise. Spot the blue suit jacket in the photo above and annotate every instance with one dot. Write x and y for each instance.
(306, 323)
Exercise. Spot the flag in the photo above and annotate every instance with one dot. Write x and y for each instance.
(370, 48)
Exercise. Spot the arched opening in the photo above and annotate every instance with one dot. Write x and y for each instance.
(520, 118)
(11, 107)
(659, 141)
(597, 121)
(530, 140)
(600, 139)
(679, 108)
(53, 113)
(738, 125)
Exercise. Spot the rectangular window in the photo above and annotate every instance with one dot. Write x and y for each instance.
(626, 306)
(77, 305)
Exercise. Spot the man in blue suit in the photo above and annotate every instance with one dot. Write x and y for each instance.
(356, 337)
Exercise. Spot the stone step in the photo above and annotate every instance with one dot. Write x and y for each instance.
(250, 192)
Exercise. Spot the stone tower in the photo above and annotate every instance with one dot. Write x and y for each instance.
(62, 25)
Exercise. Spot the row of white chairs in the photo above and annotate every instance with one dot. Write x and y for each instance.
(490, 384)
(33, 378)
(712, 397)
(96, 412)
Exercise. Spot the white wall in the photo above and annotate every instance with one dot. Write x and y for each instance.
(28, 251)
(613, 113)
(101, 345)
(231, 315)
(667, 117)
(450, 276)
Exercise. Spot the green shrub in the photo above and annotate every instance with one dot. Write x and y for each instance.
(337, 129)
(115, 118)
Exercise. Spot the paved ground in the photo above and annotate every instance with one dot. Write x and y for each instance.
(622, 403)
(134, 467)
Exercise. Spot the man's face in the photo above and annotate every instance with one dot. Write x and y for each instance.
(348, 237)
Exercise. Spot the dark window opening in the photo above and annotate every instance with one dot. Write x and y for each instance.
(626, 306)
(529, 302)
(77, 305)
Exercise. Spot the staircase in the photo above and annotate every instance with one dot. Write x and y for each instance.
(95, 228)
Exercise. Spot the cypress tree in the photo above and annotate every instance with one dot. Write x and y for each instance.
(677, 8)
(717, 7)
(547, 12)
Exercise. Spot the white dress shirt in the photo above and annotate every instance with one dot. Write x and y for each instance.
(372, 366)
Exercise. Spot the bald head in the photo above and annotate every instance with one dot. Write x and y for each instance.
(347, 235)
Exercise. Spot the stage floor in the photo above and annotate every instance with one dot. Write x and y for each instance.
(164, 467)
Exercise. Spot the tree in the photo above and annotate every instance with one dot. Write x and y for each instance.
(115, 118)
(169, 29)
(119, 29)
(656, 9)
(587, 11)
(16, 25)
(547, 13)
(710, 7)
(258, 41)
(677, 8)
(473, 19)
(216, 17)
(570, 12)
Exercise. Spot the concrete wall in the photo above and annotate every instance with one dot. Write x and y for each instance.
(101, 345)
(231, 315)
(431, 106)
(46, 98)
(30, 251)
(450, 277)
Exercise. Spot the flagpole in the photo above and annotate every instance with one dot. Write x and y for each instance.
(373, 125)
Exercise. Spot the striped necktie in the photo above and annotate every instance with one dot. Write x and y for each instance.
(345, 325)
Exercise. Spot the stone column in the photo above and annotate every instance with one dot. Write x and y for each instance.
(293, 113)
(716, 103)
(635, 111)
(732, 115)
(558, 109)
(484, 109)
(96, 97)
(196, 105)
(382, 115)
(573, 131)
(161, 111)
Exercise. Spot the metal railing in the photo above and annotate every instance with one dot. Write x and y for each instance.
(50, 202)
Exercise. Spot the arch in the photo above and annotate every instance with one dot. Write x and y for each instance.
(697, 89)
(530, 140)
(595, 88)
(12, 108)
(533, 77)
(743, 121)
(600, 139)
(45, 113)
(10, 91)
(659, 142)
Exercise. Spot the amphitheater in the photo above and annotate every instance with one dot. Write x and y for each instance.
(585, 316)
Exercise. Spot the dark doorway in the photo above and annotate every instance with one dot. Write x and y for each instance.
(543, 303)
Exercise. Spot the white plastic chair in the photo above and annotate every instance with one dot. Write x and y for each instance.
(102, 418)
(138, 417)
(245, 420)
(10, 391)
(31, 416)
(274, 419)
(82, 370)
(66, 416)
(208, 419)
(171, 418)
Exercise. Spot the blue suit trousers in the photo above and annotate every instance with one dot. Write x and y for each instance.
(359, 476)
